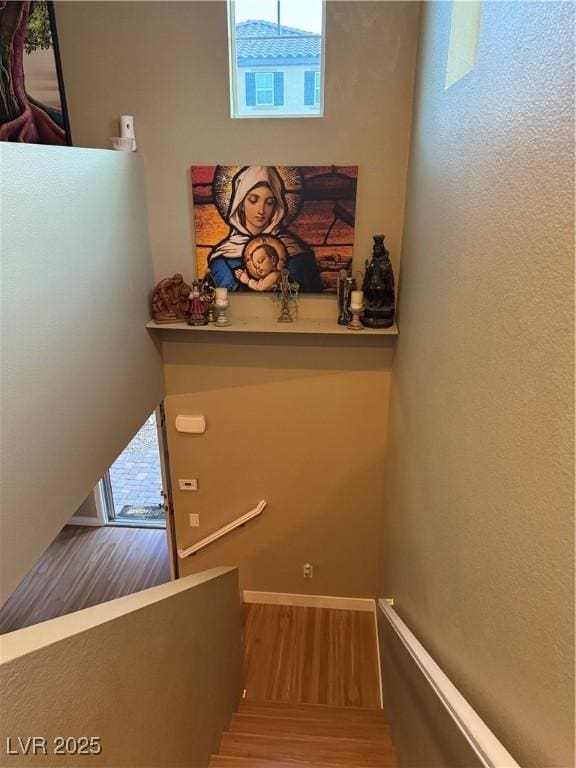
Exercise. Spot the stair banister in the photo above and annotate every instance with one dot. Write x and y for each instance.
(258, 509)
(489, 750)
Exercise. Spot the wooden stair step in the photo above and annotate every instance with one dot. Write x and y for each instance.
(359, 753)
(312, 711)
(281, 725)
(229, 761)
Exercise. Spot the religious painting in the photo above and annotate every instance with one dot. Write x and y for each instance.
(253, 221)
(32, 108)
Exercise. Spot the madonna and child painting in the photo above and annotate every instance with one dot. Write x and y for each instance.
(253, 221)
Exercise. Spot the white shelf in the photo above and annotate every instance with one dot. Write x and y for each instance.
(264, 325)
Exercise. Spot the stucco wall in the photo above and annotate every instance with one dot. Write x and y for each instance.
(155, 675)
(479, 546)
(76, 274)
(283, 417)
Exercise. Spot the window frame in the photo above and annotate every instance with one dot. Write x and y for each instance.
(234, 75)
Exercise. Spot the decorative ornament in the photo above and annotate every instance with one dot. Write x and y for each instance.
(170, 300)
(288, 297)
(378, 288)
(197, 311)
(346, 285)
(208, 295)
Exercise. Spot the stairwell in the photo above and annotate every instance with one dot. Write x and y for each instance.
(312, 692)
(278, 735)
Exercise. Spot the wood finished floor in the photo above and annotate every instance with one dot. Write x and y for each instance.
(310, 656)
(84, 567)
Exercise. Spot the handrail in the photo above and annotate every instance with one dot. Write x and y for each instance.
(258, 509)
(491, 753)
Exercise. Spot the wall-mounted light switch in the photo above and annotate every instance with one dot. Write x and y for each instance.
(194, 520)
(188, 485)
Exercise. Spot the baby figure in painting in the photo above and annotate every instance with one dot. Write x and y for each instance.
(262, 262)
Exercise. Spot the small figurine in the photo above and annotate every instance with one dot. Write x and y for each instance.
(288, 296)
(346, 285)
(197, 307)
(170, 300)
(208, 294)
(378, 287)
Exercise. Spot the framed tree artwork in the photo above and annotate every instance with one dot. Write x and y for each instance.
(32, 103)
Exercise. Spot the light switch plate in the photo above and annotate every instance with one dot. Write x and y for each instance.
(188, 485)
(194, 520)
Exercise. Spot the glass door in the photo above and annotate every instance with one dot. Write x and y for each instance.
(131, 489)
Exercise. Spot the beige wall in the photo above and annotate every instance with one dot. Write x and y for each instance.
(167, 64)
(299, 425)
(80, 373)
(422, 729)
(86, 509)
(479, 552)
(158, 675)
(284, 416)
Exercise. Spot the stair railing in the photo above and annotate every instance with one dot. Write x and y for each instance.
(489, 750)
(258, 509)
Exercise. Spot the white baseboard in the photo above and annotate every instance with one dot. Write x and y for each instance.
(94, 521)
(311, 601)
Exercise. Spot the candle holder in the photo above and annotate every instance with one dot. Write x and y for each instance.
(221, 312)
(355, 324)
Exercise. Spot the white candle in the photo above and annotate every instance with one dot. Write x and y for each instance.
(356, 299)
(221, 294)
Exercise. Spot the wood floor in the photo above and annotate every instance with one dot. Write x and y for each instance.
(310, 656)
(84, 567)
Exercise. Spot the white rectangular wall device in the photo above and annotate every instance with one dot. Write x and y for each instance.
(193, 424)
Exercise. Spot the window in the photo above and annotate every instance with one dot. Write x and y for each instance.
(274, 46)
(464, 37)
(264, 89)
(312, 88)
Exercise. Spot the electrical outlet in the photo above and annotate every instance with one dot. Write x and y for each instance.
(194, 520)
(188, 485)
(308, 570)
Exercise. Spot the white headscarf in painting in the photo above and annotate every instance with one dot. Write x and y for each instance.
(246, 180)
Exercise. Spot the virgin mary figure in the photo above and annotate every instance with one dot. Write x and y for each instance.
(257, 208)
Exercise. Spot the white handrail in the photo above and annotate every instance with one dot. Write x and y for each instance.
(491, 753)
(258, 509)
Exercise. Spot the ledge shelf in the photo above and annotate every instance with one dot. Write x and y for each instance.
(264, 325)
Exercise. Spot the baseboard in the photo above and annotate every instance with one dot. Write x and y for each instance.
(94, 521)
(311, 601)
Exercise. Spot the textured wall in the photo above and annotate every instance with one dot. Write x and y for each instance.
(158, 675)
(168, 66)
(300, 425)
(281, 415)
(479, 501)
(76, 273)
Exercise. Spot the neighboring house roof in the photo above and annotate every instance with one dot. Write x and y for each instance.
(288, 48)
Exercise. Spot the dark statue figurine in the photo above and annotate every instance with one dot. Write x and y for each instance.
(378, 287)
(170, 300)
